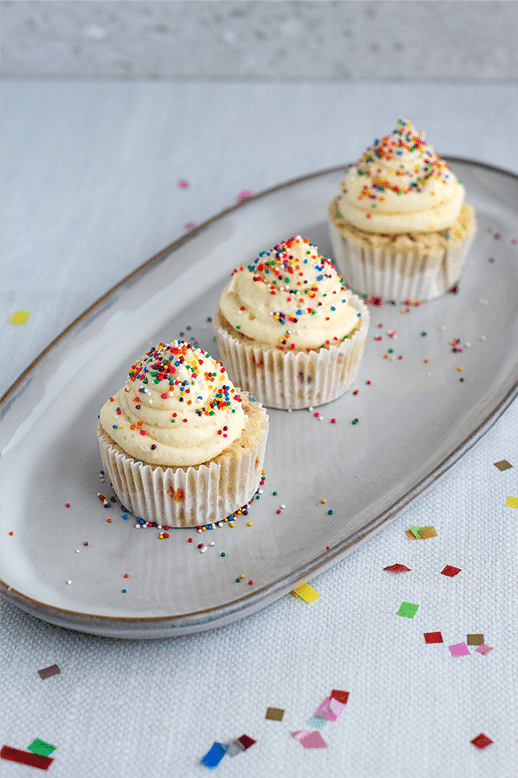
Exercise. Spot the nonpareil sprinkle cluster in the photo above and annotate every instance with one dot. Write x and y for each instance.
(421, 162)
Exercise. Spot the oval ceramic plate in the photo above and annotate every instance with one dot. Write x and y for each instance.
(416, 418)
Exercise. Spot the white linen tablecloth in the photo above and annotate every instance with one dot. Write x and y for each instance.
(91, 188)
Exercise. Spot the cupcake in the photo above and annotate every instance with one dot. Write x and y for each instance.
(287, 328)
(181, 445)
(399, 227)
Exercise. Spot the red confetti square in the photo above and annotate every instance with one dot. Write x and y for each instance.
(433, 637)
(246, 741)
(25, 757)
(47, 672)
(342, 697)
(397, 568)
(481, 741)
(450, 571)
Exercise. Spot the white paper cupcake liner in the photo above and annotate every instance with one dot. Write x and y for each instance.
(283, 379)
(400, 276)
(175, 497)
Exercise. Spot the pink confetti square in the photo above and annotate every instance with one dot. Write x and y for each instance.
(310, 739)
(484, 649)
(459, 649)
(330, 709)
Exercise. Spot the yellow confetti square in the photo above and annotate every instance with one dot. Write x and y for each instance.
(410, 534)
(19, 317)
(512, 502)
(305, 592)
(427, 532)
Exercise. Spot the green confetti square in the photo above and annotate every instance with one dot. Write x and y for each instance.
(407, 609)
(415, 532)
(41, 748)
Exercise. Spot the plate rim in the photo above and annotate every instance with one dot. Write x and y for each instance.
(212, 616)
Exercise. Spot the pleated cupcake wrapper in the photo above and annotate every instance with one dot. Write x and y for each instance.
(394, 275)
(282, 379)
(185, 498)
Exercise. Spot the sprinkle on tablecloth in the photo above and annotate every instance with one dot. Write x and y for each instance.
(19, 317)
(481, 741)
(407, 609)
(25, 757)
(275, 714)
(512, 502)
(433, 637)
(41, 747)
(305, 592)
(47, 672)
(503, 464)
(309, 739)
(459, 649)
(450, 571)
(397, 568)
(475, 639)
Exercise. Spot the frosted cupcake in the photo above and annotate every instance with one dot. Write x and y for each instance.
(287, 328)
(181, 445)
(399, 227)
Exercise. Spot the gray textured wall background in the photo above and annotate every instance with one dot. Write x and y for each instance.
(471, 40)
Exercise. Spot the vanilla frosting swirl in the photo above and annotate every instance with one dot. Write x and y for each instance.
(290, 297)
(177, 408)
(400, 184)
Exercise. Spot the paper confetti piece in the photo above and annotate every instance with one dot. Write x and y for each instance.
(305, 592)
(475, 639)
(317, 722)
(330, 709)
(246, 741)
(25, 757)
(415, 532)
(410, 534)
(41, 747)
(338, 694)
(481, 741)
(512, 502)
(433, 637)
(427, 532)
(503, 464)
(20, 317)
(407, 609)
(275, 714)
(214, 756)
(450, 571)
(234, 748)
(397, 568)
(459, 649)
(48, 672)
(310, 739)
(484, 649)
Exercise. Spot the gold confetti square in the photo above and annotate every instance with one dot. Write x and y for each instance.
(512, 502)
(275, 714)
(410, 534)
(305, 592)
(427, 532)
(503, 464)
(475, 639)
(19, 317)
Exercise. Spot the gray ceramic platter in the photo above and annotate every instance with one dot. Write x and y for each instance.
(416, 420)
